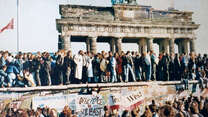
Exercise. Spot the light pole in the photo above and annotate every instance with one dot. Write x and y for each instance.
(18, 26)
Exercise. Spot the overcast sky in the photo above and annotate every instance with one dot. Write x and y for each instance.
(38, 27)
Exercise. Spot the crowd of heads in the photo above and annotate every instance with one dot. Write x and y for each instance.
(186, 107)
(63, 68)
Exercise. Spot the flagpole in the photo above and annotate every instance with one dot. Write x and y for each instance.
(17, 25)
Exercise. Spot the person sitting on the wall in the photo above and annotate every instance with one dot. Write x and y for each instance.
(12, 72)
(3, 76)
(185, 77)
(26, 80)
(204, 78)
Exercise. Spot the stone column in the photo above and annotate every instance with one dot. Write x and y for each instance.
(112, 45)
(172, 46)
(192, 45)
(164, 46)
(88, 44)
(150, 44)
(118, 44)
(93, 44)
(65, 42)
(142, 45)
(159, 42)
(185, 46)
(180, 50)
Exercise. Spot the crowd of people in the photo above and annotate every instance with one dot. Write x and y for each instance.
(63, 68)
(186, 107)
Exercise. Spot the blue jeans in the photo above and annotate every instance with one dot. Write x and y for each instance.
(186, 85)
(148, 72)
(2, 82)
(96, 79)
(89, 79)
(11, 79)
(20, 83)
(128, 68)
(113, 75)
(138, 73)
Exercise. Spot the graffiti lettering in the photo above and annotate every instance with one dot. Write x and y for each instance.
(91, 111)
(114, 99)
(133, 97)
(93, 100)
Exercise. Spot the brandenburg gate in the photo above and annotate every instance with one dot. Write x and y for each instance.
(126, 23)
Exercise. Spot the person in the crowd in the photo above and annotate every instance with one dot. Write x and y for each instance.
(112, 67)
(89, 67)
(199, 62)
(181, 109)
(205, 79)
(125, 113)
(29, 78)
(167, 111)
(128, 65)
(195, 110)
(84, 67)
(171, 68)
(78, 60)
(119, 66)
(154, 62)
(3, 58)
(12, 72)
(26, 80)
(3, 76)
(68, 67)
(199, 77)
(148, 69)
(106, 111)
(185, 78)
(147, 112)
(96, 68)
(177, 67)
(37, 67)
(103, 69)
(137, 66)
(66, 112)
(53, 113)
(135, 112)
(165, 65)
(19, 62)
(46, 70)
(154, 109)
(59, 69)
(191, 62)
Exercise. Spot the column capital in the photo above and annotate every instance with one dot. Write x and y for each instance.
(150, 44)
(93, 44)
(142, 45)
(171, 37)
(150, 37)
(65, 42)
(118, 38)
(193, 38)
(171, 45)
(118, 44)
(192, 45)
(92, 37)
(65, 36)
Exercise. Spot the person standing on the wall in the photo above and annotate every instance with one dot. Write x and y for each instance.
(78, 60)
(112, 66)
(128, 64)
(147, 61)
(68, 66)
